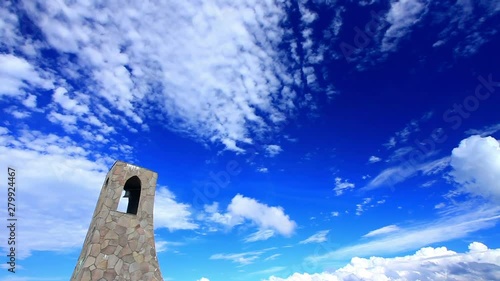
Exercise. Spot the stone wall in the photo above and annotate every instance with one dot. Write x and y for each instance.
(121, 246)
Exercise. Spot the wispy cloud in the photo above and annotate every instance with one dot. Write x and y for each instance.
(318, 237)
(402, 15)
(397, 174)
(272, 257)
(382, 230)
(390, 143)
(163, 246)
(403, 136)
(486, 131)
(467, 23)
(419, 235)
(244, 258)
(262, 234)
(268, 271)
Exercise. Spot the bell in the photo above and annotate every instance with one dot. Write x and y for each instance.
(127, 194)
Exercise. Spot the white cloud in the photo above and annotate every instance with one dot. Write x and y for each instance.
(486, 131)
(268, 219)
(360, 207)
(262, 234)
(273, 150)
(399, 153)
(272, 257)
(244, 258)
(262, 170)
(382, 230)
(420, 234)
(439, 205)
(171, 214)
(53, 171)
(318, 237)
(18, 74)
(268, 271)
(402, 136)
(479, 263)
(30, 101)
(429, 183)
(4, 131)
(222, 80)
(335, 214)
(163, 246)
(467, 24)
(476, 167)
(407, 169)
(262, 215)
(374, 159)
(60, 97)
(340, 186)
(402, 16)
(390, 143)
(203, 279)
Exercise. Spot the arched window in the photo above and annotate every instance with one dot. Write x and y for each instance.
(132, 194)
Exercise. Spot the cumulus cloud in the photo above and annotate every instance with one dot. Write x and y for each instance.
(479, 263)
(269, 219)
(476, 167)
(262, 215)
(341, 186)
(203, 279)
(318, 237)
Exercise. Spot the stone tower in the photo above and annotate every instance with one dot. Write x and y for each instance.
(120, 244)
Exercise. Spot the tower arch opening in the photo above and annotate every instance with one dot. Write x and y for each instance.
(131, 194)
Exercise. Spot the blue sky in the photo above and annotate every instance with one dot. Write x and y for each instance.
(293, 140)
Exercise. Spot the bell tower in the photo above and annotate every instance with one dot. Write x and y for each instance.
(120, 241)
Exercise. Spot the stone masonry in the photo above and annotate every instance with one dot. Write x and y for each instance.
(120, 246)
